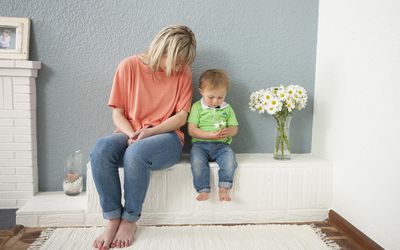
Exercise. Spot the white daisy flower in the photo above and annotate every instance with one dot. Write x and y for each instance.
(290, 90)
(260, 108)
(301, 105)
(275, 105)
(220, 124)
(282, 94)
(290, 104)
(301, 91)
(267, 96)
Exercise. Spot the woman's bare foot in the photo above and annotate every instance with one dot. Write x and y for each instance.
(125, 234)
(223, 194)
(103, 241)
(203, 196)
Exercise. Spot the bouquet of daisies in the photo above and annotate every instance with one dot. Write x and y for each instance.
(279, 102)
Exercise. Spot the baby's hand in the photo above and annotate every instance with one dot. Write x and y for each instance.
(223, 132)
(217, 135)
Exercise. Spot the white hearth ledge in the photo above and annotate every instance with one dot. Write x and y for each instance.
(265, 191)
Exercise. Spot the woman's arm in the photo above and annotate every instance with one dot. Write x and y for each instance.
(120, 121)
(174, 122)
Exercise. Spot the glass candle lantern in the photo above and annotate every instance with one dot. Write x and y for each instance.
(73, 180)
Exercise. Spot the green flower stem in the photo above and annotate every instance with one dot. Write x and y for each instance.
(278, 139)
(288, 144)
(276, 145)
(282, 138)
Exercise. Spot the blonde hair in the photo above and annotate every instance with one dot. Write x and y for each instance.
(177, 43)
(214, 79)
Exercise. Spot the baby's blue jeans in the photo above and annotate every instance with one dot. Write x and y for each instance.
(138, 160)
(203, 152)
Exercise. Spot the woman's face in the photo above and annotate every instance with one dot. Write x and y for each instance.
(163, 65)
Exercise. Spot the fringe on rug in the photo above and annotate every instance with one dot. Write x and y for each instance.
(44, 236)
(330, 243)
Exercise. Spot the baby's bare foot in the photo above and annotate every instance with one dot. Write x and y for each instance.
(103, 241)
(125, 234)
(203, 196)
(223, 194)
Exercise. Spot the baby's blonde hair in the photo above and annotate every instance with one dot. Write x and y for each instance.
(177, 42)
(214, 79)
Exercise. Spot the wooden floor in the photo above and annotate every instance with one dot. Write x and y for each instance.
(20, 237)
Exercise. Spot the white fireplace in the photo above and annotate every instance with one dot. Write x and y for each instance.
(18, 149)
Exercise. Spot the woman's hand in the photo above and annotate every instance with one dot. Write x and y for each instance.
(123, 124)
(131, 137)
(143, 133)
(131, 140)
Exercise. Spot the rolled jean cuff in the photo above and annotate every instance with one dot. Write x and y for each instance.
(114, 214)
(130, 217)
(204, 190)
(225, 184)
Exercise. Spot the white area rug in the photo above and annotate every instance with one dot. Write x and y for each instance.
(197, 238)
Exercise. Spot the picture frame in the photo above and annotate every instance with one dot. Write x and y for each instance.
(14, 38)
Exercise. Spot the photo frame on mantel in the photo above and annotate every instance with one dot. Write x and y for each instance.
(14, 38)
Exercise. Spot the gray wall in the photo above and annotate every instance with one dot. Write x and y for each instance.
(80, 43)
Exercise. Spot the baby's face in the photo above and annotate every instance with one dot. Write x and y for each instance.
(213, 97)
(5, 34)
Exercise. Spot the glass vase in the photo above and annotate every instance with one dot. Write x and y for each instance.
(73, 180)
(282, 140)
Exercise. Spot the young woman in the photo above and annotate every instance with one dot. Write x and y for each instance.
(150, 97)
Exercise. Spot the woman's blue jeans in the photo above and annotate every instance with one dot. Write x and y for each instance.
(138, 160)
(203, 152)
